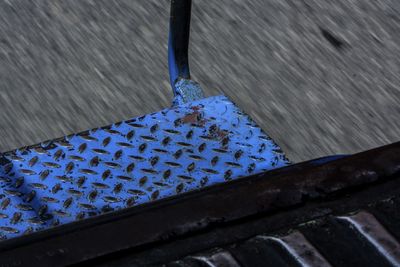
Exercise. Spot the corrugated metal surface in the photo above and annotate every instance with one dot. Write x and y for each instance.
(356, 239)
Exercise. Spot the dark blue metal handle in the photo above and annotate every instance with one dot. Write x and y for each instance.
(178, 41)
(185, 90)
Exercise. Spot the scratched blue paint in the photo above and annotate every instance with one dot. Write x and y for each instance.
(166, 153)
(186, 91)
(327, 159)
(172, 65)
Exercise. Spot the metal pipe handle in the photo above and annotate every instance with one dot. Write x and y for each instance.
(185, 90)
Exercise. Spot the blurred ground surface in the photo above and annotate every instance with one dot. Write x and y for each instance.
(321, 77)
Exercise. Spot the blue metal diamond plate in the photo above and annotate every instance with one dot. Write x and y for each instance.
(166, 153)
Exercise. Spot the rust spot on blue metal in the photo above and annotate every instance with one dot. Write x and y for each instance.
(166, 153)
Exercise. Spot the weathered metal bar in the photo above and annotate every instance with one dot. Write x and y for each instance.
(369, 227)
(179, 32)
(304, 253)
(218, 258)
(161, 220)
(185, 90)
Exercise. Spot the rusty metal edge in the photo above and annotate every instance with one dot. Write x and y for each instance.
(216, 205)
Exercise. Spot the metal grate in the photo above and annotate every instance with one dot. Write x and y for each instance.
(361, 241)
(129, 163)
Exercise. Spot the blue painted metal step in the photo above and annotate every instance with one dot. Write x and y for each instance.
(176, 150)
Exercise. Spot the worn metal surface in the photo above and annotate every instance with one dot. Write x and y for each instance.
(371, 229)
(129, 163)
(304, 250)
(216, 258)
(311, 234)
(186, 91)
(304, 253)
(228, 204)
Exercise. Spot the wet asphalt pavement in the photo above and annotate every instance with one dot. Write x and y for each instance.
(321, 77)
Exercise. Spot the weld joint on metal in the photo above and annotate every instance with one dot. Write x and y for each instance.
(187, 91)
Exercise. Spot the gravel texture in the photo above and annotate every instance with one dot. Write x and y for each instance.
(321, 77)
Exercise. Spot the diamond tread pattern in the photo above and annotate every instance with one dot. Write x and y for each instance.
(170, 152)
